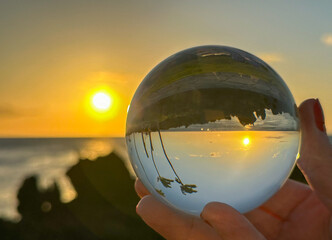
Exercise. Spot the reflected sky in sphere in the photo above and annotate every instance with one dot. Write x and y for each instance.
(212, 123)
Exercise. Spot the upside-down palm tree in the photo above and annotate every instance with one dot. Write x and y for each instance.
(185, 188)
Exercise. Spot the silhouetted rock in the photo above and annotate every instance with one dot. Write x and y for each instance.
(8, 230)
(105, 192)
(297, 175)
(103, 209)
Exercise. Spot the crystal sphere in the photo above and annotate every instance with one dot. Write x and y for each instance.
(212, 123)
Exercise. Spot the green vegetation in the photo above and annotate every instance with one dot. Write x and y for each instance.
(190, 63)
(204, 106)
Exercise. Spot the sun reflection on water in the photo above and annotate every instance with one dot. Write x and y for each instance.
(246, 141)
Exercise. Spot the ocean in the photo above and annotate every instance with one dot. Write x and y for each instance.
(48, 159)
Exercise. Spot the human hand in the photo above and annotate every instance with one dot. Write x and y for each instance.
(297, 211)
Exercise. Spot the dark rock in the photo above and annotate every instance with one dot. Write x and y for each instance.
(103, 209)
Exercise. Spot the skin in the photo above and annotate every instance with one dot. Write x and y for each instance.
(297, 211)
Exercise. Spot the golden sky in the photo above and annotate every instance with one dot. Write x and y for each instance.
(54, 54)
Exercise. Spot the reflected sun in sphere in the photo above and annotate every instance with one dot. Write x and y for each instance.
(246, 141)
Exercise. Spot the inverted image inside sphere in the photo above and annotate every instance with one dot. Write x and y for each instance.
(208, 84)
(212, 123)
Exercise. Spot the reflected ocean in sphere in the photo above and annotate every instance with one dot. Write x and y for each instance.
(212, 123)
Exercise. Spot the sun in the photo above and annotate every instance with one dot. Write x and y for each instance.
(246, 141)
(102, 101)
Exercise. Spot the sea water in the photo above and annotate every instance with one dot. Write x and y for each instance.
(49, 159)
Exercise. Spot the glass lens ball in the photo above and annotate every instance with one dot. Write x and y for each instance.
(212, 123)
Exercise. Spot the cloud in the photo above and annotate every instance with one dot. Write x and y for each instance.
(272, 122)
(219, 125)
(327, 39)
(271, 57)
(283, 121)
(6, 111)
(12, 111)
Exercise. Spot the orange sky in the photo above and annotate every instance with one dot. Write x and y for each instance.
(54, 54)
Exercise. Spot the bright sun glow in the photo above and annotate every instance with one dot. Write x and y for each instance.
(246, 141)
(102, 101)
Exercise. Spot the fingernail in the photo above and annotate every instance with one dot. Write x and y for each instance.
(141, 205)
(319, 116)
(138, 208)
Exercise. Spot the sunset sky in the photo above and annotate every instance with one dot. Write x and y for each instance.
(56, 54)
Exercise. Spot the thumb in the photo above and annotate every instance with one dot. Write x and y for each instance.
(316, 151)
(229, 223)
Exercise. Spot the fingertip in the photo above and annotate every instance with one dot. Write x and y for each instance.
(171, 223)
(307, 117)
(141, 206)
(211, 208)
(217, 212)
(313, 133)
(305, 104)
(312, 117)
(140, 189)
(228, 222)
